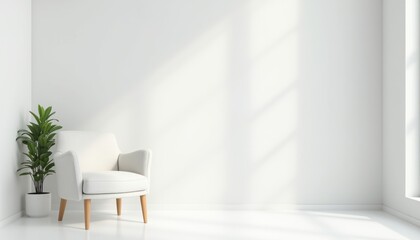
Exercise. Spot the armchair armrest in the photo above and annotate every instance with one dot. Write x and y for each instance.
(137, 162)
(69, 176)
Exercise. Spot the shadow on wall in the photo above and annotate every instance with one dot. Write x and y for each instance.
(25, 183)
(339, 119)
(242, 102)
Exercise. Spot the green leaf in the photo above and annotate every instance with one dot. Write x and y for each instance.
(25, 173)
(21, 168)
(30, 156)
(40, 111)
(55, 128)
(39, 139)
(36, 117)
(47, 113)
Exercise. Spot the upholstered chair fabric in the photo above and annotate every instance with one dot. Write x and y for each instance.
(89, 165)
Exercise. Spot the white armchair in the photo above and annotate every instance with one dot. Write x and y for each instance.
(90, 166)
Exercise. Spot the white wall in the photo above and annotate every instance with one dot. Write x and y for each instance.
(15, 97)
(243, 102)
(412, 97)
(400, 107)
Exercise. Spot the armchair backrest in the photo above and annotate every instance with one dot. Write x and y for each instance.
(95, 151)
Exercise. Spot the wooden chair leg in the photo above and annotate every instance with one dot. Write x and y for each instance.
(63, 203)
(87, 213)
(143, 207)
(119, 206)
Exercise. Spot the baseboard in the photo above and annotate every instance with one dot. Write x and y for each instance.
(239, 207)
(401, 215)
(262, 207)
(11, 218)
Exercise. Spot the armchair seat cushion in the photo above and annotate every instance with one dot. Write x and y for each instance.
(110, 182)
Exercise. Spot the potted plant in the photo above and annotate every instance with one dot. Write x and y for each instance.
(38, 139)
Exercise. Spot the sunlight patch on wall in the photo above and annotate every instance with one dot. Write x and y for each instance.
(189, 108)
(274, 99)
(412, 99)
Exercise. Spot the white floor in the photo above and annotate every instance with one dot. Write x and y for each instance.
(373, 225)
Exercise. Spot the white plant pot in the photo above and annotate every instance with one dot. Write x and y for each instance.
(38, 205)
